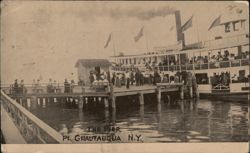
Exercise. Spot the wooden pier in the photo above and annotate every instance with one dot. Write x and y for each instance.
(40, 132)
(107, 97)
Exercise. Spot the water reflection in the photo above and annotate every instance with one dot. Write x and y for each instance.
(181, 121)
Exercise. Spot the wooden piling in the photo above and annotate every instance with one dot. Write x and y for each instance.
(112, 96)
(159, 94)
(182, 92)
(113, 102)
(106, 103)
(141, 98)
(80, 104)
(191, 91)
(33, 101)
(44, 102)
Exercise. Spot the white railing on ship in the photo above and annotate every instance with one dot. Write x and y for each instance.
(196, 66)
(32, 128)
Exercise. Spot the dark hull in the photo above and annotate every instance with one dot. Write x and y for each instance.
(237, 97)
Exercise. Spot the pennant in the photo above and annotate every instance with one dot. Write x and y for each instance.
(139, 35)
(188, 24)
(108, 40)
(215, 23)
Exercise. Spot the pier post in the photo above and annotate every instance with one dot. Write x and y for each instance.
(106, 103)
(197, 93)
(33, 101)
(191, 91)
(182, 92)
(141, 98)
(44, 102)
(113, 116)
(113, 102)
(159, 94)
(80, 104)
(112, 96)
(142, 113)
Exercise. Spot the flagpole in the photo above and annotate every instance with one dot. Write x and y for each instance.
(146, 39)
(197, 31)
(114, 45)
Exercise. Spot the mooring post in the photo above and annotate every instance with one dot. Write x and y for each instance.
(182, 92)
(80, 104)
(159, 94)
(141, 98)
(106, 103)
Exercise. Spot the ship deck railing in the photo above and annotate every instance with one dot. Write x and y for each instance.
(188, 67)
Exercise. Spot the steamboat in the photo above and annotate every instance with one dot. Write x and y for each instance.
(220, 65)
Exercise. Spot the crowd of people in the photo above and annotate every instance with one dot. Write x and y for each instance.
(135, 77)
(215, 59)
(18, 88)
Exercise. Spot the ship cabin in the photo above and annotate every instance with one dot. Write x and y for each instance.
(87, 66)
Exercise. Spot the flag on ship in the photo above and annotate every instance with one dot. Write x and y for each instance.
(139, 35)
(108, 41)
(215, 23)
(188, 24)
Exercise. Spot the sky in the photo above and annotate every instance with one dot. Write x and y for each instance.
(44, 39)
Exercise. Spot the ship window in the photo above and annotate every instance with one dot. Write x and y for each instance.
(201, 78)
(236, 26)
(227, 27)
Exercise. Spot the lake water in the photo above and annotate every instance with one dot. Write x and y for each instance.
(179, 121)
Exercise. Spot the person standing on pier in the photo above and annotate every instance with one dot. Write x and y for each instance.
(113, 79)
(66, 86)
(22, 87)
(16, 87)
(127, 75)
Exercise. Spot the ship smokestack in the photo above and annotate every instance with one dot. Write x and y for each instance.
(180, 35)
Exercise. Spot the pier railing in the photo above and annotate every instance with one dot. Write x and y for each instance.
(32, 128)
